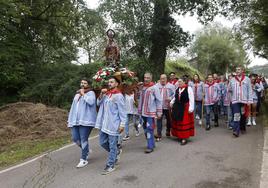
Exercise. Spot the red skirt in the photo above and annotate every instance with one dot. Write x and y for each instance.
(185, 128)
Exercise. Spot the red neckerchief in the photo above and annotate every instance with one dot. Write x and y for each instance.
(210, 84)
(197, 82)
(258, 81)
(148, 85)
(242, 78)
(173, 81)
(113, 91)
(217, 81)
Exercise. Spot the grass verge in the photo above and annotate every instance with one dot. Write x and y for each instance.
(264, 113)
(23, 150)
(26, 149)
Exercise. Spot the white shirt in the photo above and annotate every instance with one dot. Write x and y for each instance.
(130, 107)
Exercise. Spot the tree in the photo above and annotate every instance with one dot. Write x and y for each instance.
(254, 22)
(132, 21)
(147, 27)
(91, 32)
(218, 50)
(33, 33)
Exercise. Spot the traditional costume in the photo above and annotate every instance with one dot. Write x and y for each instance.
(150, 105)
(211, 91)
(81, 120)
(111, 116)
(182, 113)
(241, 95)
(167, 92)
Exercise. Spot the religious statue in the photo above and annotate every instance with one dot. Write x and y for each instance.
(112, 52)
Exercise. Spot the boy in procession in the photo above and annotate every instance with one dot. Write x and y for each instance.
(167, 92)
(82, 119)
(111, 121)
(150, 107)
(198, 89)
(211, 91)
(241, 95)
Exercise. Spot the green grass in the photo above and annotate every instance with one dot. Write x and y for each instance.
(25, 149)
(181, 68)
(264, 112)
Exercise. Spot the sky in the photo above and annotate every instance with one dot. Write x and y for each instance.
(190, 24)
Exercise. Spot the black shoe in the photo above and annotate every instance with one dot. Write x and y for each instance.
(147, 151)
(183, 142)
(108, 170)
(207, 127)
(167, 134)
(235, 135)
(216, 124)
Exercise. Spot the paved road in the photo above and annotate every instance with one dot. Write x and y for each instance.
(213, 159)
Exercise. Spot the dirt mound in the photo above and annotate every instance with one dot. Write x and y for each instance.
(31, 121)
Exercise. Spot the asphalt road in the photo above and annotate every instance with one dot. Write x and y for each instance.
(213, 159)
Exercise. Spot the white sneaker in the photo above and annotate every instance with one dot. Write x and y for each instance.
(197, 117)
(126, 138)
(249, 121)
(137, 133)
(253, 121)
(200, 122)
(82, 163)
(139, 125)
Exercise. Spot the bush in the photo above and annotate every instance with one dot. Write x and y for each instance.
(58, 83)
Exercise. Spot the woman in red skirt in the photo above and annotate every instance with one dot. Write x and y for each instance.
(182, 107)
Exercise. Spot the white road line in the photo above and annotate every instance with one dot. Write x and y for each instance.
(36, 158)
(264, 168)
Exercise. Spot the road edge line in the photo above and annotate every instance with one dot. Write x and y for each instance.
(40, 156)
(264, 168)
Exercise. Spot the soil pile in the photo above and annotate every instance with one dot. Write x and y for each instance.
(25, 120)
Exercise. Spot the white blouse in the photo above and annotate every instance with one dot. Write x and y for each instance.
(191, 99)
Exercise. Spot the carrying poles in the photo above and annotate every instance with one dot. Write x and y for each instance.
(202, 110)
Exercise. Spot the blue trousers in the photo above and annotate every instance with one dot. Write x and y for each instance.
(198, 108)
(80, 136)
(109, 143)
(166, 113)
(237, 114)
(214, 109)
(148, 126)
(134, 119)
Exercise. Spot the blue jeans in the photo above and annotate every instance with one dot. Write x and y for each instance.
(134, 119)
(237, 114)
(198, 108)
(148, 126)
(80, 136)
(166, 113)
(109, 143)
(212, 108)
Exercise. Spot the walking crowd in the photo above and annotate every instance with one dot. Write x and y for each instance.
(236, 98)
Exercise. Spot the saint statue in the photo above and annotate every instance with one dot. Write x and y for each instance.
(112, 52)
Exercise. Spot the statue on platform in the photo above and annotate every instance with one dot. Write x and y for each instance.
(112, 52)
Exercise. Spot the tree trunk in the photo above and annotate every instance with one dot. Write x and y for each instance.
(160, 37)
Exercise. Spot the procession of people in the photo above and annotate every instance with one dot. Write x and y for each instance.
(234, 98)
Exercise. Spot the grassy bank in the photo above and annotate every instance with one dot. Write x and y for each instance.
(24, 150)
(264, 113)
